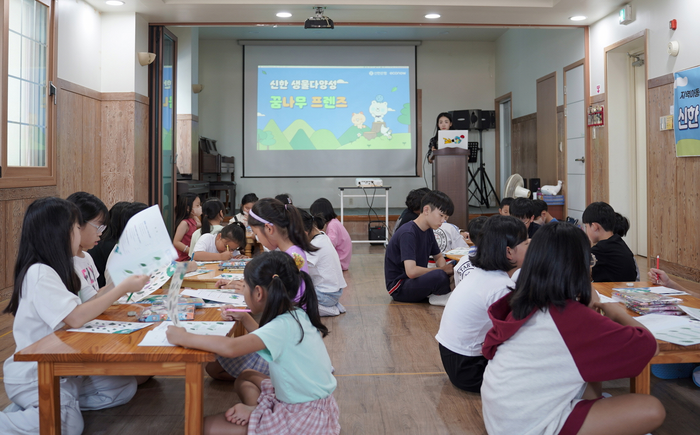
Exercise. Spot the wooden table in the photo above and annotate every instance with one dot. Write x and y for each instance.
(668, 352)
(66, 353)
(206, 280)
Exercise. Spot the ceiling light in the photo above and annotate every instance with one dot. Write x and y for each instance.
(115, 2)
(432, 16)
(283, 14)
(577, 18)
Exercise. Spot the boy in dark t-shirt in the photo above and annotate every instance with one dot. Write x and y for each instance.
(406, 272)
(614, 260)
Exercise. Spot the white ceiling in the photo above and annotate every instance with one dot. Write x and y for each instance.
(354, 33)
(363, 12)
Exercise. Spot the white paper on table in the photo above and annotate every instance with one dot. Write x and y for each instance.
(605, 299)
(144, 247)
(197, 272)
(233, 276)
(156, 281)
(692, 312)
(683, 335)
(660, 322)
(110, 327)
(223, 296)
(157, 336)
(660, 290)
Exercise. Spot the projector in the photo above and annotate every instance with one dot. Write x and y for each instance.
(368, 182)
(319, 21)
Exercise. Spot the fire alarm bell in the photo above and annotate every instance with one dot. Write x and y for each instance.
(672, 24)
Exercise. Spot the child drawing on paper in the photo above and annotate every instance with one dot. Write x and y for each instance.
(45, 298)
(297, 397)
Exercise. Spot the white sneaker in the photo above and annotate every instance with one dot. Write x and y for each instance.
(341, 308)
(440, 300)
(325, 311)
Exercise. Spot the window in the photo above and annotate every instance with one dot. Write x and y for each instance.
(27, 148)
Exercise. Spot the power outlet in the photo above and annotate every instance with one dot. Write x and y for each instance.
(350, 201)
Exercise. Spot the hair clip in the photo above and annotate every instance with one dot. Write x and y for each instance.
(275, 276)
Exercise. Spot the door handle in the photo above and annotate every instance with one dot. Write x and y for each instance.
(582, 160)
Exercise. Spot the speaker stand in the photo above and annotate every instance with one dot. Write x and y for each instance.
(480, 179)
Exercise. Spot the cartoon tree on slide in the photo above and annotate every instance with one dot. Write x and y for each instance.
(405, 117)
(265, 138)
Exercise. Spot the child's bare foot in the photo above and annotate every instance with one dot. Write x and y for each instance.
(239, 414)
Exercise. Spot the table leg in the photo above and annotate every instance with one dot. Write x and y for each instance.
(49, 400)
(642, 383)
(194, 407)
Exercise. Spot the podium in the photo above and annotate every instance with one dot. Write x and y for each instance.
(451, 177)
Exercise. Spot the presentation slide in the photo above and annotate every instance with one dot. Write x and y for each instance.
(333, 108)
(329, 111)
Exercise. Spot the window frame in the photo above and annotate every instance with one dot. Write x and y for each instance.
(22, 176)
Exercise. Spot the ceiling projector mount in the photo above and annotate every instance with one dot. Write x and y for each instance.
(319, 21)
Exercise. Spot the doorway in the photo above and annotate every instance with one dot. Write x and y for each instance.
(162, 122)
(575, 133)
(504, 122)
(626, 79)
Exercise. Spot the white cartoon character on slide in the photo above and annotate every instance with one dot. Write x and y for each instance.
(378, 109)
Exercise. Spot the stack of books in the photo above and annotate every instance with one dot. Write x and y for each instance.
(646, 302)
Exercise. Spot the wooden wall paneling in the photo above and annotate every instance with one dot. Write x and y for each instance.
(184, 144)
(4, 269)
(524, 146)
(599, 174)
(561, 148)
(14, 214)
(117, 151)
(688, 179)
(70, 138)
(662, 169)
(141, 166)
(91, 147)
(547, 148)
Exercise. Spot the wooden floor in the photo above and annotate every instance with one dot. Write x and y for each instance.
(390, 378)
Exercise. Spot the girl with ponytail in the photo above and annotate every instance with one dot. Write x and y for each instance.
(297, 396)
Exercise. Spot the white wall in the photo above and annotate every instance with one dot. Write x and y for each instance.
(187, 68)
(79, 44)
(452, 75)
(653, 15)
(525, 55)
(140, 44)
(119, 53)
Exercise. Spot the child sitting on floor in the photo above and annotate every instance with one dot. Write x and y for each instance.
(524, 209)
(324, 267)
(465, 320)
(44, 300)
(297, 397)
(212, 218)
(406, 272)
(223, 246)
(504, 208)
(614, 260)
(464, 265)
(549, 349)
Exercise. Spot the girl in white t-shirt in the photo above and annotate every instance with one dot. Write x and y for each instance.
(212, 217)
(246, 204)
(93, 215)
(45, 298)
(324, 267)
(297, 397)
(503, 243)
(223, 246)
